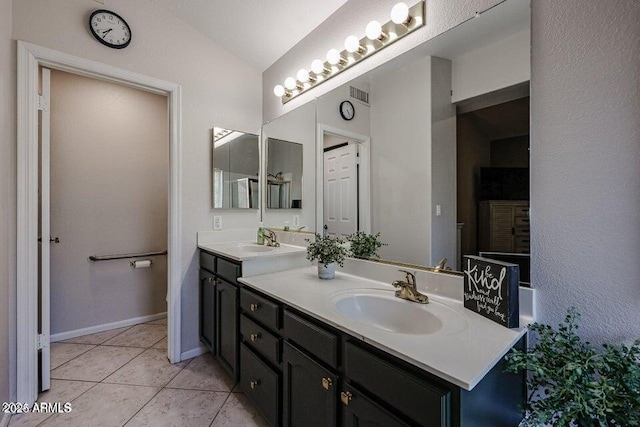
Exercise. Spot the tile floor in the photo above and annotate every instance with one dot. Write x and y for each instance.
(122, 377)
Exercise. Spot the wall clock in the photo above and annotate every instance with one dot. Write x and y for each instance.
(110, 29)
(346, 110)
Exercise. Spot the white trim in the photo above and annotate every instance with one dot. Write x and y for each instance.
(4, 420)
(30, 57)
(195, 352)
(364, 187)
(106, 327)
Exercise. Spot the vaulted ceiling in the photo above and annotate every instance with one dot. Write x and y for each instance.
(257, 31)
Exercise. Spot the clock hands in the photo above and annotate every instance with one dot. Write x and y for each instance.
(104, 33)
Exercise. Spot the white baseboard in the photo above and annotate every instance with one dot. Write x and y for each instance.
(193, 353)
(4, 420)
(106, 327)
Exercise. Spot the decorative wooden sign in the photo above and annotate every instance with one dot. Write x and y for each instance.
(491, 289)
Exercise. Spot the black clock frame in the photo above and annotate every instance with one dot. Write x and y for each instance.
(352, 107)
(104, 42)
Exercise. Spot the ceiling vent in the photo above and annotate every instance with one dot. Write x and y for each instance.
(359, 94)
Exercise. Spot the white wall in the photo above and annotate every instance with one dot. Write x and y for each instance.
(504, 63)
(298, 126)
(441, 15)
(401, 183)
(585, 164)
(328, 110)
(109, 188)
(217, 89)
(7, 205)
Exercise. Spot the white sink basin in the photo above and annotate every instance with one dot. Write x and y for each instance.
(382, 310)
(251, 247)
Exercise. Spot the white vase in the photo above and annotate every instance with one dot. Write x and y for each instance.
(326, 272)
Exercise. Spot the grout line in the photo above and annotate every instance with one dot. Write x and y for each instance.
(75, 357)
(72, 400)
(220, 410)
(142, 407)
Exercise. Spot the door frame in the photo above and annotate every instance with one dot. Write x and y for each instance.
(364, 175)
(30, 58)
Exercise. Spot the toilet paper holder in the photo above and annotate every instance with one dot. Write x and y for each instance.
(146, 263)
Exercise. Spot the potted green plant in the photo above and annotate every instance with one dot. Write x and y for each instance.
(572, 383)
(328, 251)
(365, 245)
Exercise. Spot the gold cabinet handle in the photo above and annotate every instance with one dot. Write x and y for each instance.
(254, 307)
(209, 279)
(327, 383)
(254, 384)
(254, 337)
(346, 397)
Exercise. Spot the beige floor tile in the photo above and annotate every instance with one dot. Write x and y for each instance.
(62, 352)
(183, 408)
(105, 405)
(162, 321)
(151, 368)
(238, 411)
(97, 338)
(203, 373)
(236, 389)
(61, 391)
(162, 344)
(143, 335)
(96, 364)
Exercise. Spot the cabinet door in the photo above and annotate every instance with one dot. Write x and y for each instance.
(359, 411)
(227, 326)
(207, 310)
(309, 391)
(502, 228)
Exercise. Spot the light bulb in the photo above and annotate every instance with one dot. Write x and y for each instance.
(303, 75)
(333, 56)
(317, 67)
(373, 30)
(352, 44)
(400, 13)
(278, 90)
(290, 83)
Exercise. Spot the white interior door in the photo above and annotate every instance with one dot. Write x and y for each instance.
(341, 190)
(45, 233)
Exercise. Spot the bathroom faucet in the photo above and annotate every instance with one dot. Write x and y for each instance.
(408, 289)
(440, 266)
(271, 238)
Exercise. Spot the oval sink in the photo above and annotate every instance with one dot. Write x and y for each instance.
(252, 247)
(382, 310)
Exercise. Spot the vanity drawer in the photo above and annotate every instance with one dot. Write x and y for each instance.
(314, 339)
(521, 221)
(424, 402)
(260, 339)
(521, 211)
(261, 309)
(228, 270)
(260, 384)
(208, 261)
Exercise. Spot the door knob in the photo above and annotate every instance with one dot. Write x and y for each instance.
(52, 240)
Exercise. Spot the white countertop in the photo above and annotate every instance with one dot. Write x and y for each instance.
(462, 352)
(246, 251)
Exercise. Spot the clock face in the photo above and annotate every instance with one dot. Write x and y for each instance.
(110, 29)
(346, 110)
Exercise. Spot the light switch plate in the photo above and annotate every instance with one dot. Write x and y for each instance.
(296, 220)
(438, 210)
(217, 222)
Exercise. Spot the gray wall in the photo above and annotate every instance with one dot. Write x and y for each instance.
(7, 203)
(109, 178)
(585, 163)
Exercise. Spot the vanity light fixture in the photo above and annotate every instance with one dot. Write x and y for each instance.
(404, 21)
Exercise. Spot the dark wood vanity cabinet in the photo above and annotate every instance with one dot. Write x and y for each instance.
(219, 321)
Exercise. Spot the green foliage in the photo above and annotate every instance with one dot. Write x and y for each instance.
(365, 245)
(327, 250)
(570, 382)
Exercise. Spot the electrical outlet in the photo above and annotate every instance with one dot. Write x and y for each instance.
(217, 222)
(438, 210)
(296, 220)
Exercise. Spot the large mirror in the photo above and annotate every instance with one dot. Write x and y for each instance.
(436, 157)
(284, 174)
(235, 171)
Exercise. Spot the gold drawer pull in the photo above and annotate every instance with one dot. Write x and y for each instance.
(346, 397)
(254, 337)
(209, 279)
(254, 307)
(254, 384)
(326, 383)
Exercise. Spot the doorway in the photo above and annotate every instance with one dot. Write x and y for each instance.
(30, 342)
